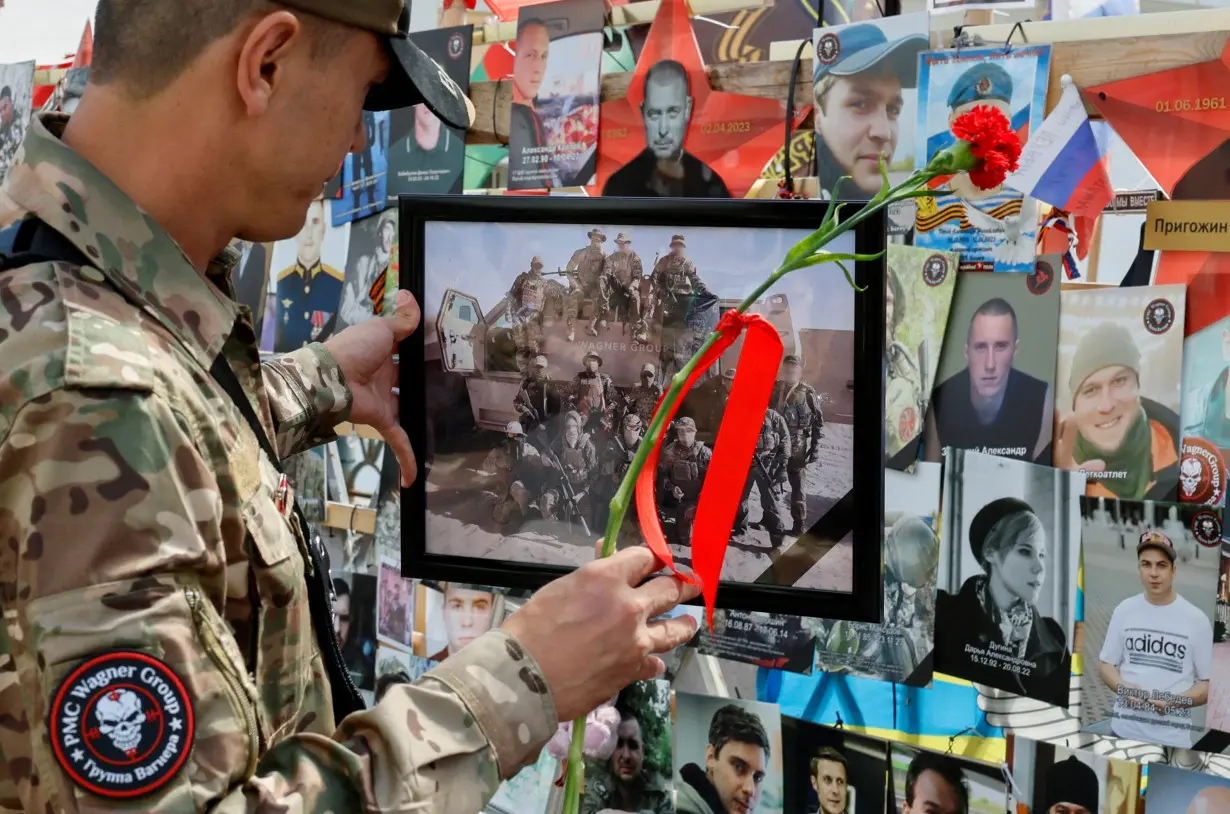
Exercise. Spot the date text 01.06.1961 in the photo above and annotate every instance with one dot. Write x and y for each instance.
(1194, 103)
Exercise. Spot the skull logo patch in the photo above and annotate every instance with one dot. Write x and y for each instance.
(121, 724)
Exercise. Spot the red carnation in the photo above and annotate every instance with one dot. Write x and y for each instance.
(995, 146)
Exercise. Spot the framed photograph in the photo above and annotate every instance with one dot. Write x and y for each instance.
(551, 328)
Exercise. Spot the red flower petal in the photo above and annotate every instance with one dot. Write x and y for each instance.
(992, 141)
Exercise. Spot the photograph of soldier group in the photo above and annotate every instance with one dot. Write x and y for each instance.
(578, 427)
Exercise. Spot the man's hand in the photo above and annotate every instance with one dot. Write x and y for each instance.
(590, 631)
(364, 352)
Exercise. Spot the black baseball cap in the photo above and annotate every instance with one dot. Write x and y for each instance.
(414, 77)
(1155, 539)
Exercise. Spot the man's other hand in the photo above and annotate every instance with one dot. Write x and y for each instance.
(591, 631)
(364, 352)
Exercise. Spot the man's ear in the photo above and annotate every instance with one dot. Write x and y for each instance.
(263, 55)
(710, 758)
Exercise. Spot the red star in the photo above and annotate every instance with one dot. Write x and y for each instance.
(114, 695)
(735, 135)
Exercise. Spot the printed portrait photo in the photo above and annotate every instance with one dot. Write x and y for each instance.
(250, 278)
(547, 349)
(899, 648)
(1151, 578)
(833, 771)
(395, 607)
(1117, 389)
(362, 185)
(1054, 779)
(309, 271)
(1179, 791)
(455, 614)
(994, 391)
(395, 667)
(1007, 579)
(917, 299)
(865, 81)
(727, 756)
(553, 126)
(427, 156)
(993, 229)
(369, 256)
(16, 91)
(926, 782)
(353, 622)
(636, 775)
(1204, 408)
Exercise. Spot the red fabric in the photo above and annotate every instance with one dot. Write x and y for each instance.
(732, 453)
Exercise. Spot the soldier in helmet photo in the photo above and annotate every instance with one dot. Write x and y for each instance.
(517, 468)
(681, 300)
(681, 473)
(614, 458)
(799, 406)
(572, 461)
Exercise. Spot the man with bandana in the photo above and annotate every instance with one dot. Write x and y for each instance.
(1126, 443)
(594, 395)
(620, 285)
(310, 291)
(681, 473)
(798, 403)
(584, 271)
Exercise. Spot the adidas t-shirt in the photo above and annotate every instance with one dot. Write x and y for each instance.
(1157, 647)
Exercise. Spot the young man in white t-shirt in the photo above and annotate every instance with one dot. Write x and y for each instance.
(1158, 653)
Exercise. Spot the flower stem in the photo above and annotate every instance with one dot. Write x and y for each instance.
(576, 769)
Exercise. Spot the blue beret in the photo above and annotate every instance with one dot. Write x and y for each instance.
(981, 83)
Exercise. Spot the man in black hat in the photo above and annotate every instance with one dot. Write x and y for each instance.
(1071, 788)
(1158, 653)
(664, 169)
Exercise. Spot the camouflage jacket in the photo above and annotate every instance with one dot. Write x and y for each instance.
(653, 794)
(800, 406)
(154, 592)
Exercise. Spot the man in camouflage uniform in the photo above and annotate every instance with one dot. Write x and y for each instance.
(623, 783)
(168, 635)
(620, 285)
(538, 401)
(529, 302)
(575, 462)
(645, 395)
(768, 475)
(517, 466)
(799, 405)
(903, 392)
(674, 287)
(681, 473)
(613, 461)
(594, 395)
(584, 271)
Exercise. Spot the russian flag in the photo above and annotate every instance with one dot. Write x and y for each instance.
(1065, 163)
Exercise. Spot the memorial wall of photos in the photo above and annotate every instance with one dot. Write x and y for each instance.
(1055, 636)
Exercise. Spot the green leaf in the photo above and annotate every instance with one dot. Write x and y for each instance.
(850, 277)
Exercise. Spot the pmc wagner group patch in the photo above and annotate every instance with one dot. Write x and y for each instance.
(121, 725)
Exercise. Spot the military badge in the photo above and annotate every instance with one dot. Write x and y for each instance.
(1039, 280)
(907, 423)
(935, 270)
(121, 725)
(829, 49)
(983, 87)
(455, 45)
(1202, 473)
(1206, 528)
(1159, 316)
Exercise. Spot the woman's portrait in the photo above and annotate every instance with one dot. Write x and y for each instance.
(1008, 575)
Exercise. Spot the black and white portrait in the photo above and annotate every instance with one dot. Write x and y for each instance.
(1008, 566)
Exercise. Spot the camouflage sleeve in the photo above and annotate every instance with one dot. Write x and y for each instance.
(308, 397)
(593, 800)
(140, 606)
(817, 415)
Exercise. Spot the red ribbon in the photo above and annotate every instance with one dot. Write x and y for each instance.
(755, 375)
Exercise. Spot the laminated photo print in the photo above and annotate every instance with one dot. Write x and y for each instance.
(751, 637)
(553, 124)
(250, 279)
(994, 391)
(865, 82)
(453, 615)
(427, 156)
(1171, 789)
(308, 275)
(996, 229)
(1204, 409)
(923, 782)
(355, 625)
(917, 296)
(395, 667)
(1151, 582)
(833, 770)
(1118, 386)
(369, 255)
(631, 769)
(727, 755)
(1049, 778)
(362, 185)
(899, 648)
(16, 92)
(395, 607)
(1006, 603)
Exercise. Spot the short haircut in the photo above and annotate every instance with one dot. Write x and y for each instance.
(6, 92)
(946, 767)
(733, 723)
(145, 45)
(833, 756)
(665, 70)
(995, 307)
(1008, 531)
(532, 22)
(340, 587)
(826, 83)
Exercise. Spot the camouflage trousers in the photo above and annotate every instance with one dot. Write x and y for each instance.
(527, 334)
(770, 491)
(795, 470)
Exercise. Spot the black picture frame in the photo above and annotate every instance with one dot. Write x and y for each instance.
(859, 512)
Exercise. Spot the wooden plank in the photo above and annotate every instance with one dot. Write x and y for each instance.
(346, 517)
(361, 430)
(1170, 24)
(493, 100)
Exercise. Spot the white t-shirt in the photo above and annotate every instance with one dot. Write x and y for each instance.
(1166, 648)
